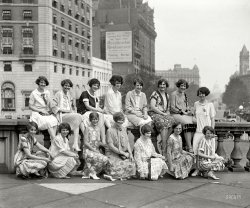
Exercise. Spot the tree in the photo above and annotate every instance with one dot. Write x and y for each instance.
(192, 93)
(235, 94)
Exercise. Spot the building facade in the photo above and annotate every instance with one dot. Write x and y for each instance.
(173, 75)
(125, 16)
(244, 61)
(42, 37)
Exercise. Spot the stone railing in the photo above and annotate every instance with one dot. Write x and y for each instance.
(10, 130)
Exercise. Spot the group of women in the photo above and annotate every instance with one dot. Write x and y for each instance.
(109, 153)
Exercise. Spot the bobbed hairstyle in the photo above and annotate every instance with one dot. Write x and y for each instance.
(203, 90)
(31, 124)
(163, 81)
(138, 80)
(116, 78)
(118, 116)
(180, 82)
(40, 78)
(176, 124)
(94, 81)
(64, 126)
(208, 128)
(145, 129)
(66, 81)
(93, 115)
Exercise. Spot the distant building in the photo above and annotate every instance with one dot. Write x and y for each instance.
(42, 37)
(244, 61)
(173, 75)
(124, 34)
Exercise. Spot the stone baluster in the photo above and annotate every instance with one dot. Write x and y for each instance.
(220, 148)
(236, 154)
(46, 139)
(247, 167)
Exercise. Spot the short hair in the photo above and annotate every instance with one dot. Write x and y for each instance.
(93, 115)
(38, 80)
(64, 126)
(66, 81)
(180, 82)
(138, 80)
(203, 90)
(94, 81)
(176, 124)
(163, 81)
(145, 129)
(207, 128)
(116, 78)
(31, 124)
(118, 116)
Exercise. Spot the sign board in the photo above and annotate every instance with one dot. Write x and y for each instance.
(119, 46)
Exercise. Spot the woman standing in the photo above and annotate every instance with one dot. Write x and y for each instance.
(64, 103)
(179, 161)
(149, 164)
(181, 111)
(136, 105)
(41, 106)
(159, 112)
(122, 165)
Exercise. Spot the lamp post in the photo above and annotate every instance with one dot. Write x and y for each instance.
(241, 109)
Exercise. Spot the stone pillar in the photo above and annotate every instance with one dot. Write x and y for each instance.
(247, 167)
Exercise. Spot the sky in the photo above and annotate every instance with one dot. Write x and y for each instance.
(208, 33)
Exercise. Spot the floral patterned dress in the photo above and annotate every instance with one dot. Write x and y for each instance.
(119, 168)
(205, 164)
(182, 162)
(143, 151)
(24, 165)
(94, 162)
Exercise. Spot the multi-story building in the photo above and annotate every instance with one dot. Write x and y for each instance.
(244, 61)
(173, 75)
(124, 35)
(42, 37)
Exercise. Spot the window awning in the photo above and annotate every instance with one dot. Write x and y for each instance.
(27, 13)
(27, 30)
(6, 12)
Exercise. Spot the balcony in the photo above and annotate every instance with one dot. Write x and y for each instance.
(7, 42)
(137, 52)
(55, 44)
(28, 43)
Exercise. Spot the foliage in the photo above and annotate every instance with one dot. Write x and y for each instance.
(235, 94)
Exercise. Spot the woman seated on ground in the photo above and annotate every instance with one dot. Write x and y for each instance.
(89, 102)
(95, 161)
(136, 105)
(181, 112)
(122, 165)
(41, 106)
(26, 161)
(208, 160)
(64, 103)
(179, 161)
(64, 161)
(159, 112)
(113, 101)
(145, 156)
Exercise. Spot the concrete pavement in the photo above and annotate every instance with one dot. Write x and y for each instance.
(232, 190)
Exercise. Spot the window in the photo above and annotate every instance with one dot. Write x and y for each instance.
(62, 8)
(54, 52)
(82, 19)
(88, 22)
(70, 26)
(88, 62)
(62, 22)
(54, 3)
(54, 35)
(70, 12)
(26, 96)
(83, 73)
(62, 38)
(77, 16)
(6, 14)
(83, 32)
(70, 41)
(77, 44)
(63, 69)
(70, 56)
(88, 73)
(77, 58)
(83, 59)
(7, 66)
(83, 45)
(62, 54)
(82, 5)
(7, 1)
(28, 66)
(27, 15)
(87, 8)
(76, 29)
(7, 50)
(54, 19)
(76, 2)
(28, 1)
(8, 96)
(55, 67)
(70, 70)
(77, 72)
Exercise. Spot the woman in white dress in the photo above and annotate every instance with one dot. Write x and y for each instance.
(42, 108)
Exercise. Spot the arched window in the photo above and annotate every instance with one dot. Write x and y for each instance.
(8, 96)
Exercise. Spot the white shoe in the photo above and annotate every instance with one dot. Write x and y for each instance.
(195, 173)
(108, 177)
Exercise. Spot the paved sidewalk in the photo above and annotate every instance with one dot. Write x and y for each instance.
(232, 190)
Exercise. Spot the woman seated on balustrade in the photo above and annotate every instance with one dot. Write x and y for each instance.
(122, 165)
(26, 161)
(179, 161)
(149, 164)
(95, 161)
(89, 102)
(66, 112)
(113, 101)
(208, 160)
(159, 112)
(65, 162)
(136, 105)
(43, 108)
